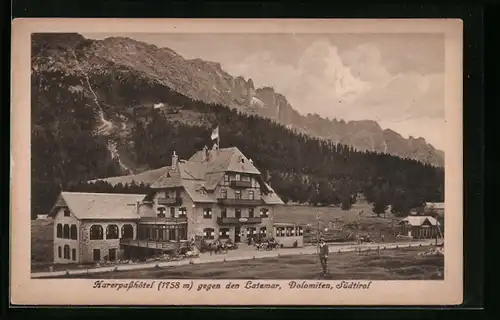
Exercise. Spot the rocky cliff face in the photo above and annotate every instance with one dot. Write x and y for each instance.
(95, 66)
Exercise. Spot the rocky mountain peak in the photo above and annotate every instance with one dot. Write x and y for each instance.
(124, 58)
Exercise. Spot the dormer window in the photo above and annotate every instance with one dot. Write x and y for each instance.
(237, 177)
(264, 213)
(161, 212)
(182, 212)
(207, 213)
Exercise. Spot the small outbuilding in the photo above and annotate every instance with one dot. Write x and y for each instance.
(420, 227)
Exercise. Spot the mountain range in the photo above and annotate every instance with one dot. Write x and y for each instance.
(102, 67)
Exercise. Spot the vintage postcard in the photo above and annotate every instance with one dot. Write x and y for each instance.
(236, 162)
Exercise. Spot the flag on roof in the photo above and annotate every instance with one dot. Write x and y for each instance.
(215, 133)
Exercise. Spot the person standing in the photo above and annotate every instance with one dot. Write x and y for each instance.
(323, 255)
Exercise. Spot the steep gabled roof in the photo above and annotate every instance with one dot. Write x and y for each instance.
(200, 172)
(417, 221)
(169, 179)
(192, 170)
(146, 177)
(194, 189)
(227, 159)
(185, 170)
(212, 179)
(271, 197)
(113, 206)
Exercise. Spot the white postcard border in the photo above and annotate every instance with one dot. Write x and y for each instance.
(27, 291)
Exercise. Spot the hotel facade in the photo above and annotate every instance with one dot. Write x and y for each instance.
(217, 194)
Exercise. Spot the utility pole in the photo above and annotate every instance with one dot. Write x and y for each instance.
(318, 233)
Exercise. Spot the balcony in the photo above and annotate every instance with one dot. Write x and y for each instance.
(240, 202)
(240, 184)
(160, 245)
(170, 201)
(163, 220)
(242, 220)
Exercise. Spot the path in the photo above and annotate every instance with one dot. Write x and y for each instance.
(244, 253)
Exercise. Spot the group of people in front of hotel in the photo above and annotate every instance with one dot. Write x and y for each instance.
(323, 253)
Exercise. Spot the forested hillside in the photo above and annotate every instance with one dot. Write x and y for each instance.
(77, 114)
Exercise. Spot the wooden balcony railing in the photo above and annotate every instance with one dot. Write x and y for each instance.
(240, 184)
(161, 245)
(242, 220)
(240, 202)
(167, 219)
(170, 201)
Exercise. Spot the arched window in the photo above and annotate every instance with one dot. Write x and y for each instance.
(66, 252)
(73, 232)
(59, 252)
(127, 231)
(59, 230)
(112, 231)
(96, 232)
(66, 231)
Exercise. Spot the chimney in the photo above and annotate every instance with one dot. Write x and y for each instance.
(204, 154)
(175, 158)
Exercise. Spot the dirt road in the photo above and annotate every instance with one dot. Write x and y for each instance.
(243, 253)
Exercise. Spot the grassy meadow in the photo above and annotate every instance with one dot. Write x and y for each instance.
(397, 264)
(340, 223)
(42, 241)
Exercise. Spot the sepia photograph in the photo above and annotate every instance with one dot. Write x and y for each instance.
(255, 158)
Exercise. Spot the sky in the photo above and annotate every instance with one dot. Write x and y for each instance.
(394, 79)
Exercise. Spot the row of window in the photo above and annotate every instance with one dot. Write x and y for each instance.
(66, 253)
(112, 255)
(289, 231)
(209, 233)
(66, 231)
(112, 232)
(237, 194)
(207, 213)
(162, 232)
(236, 177)
(162, 212)
(70, 254)
(96, 232)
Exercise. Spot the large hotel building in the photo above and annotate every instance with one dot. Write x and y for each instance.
(216, 194)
